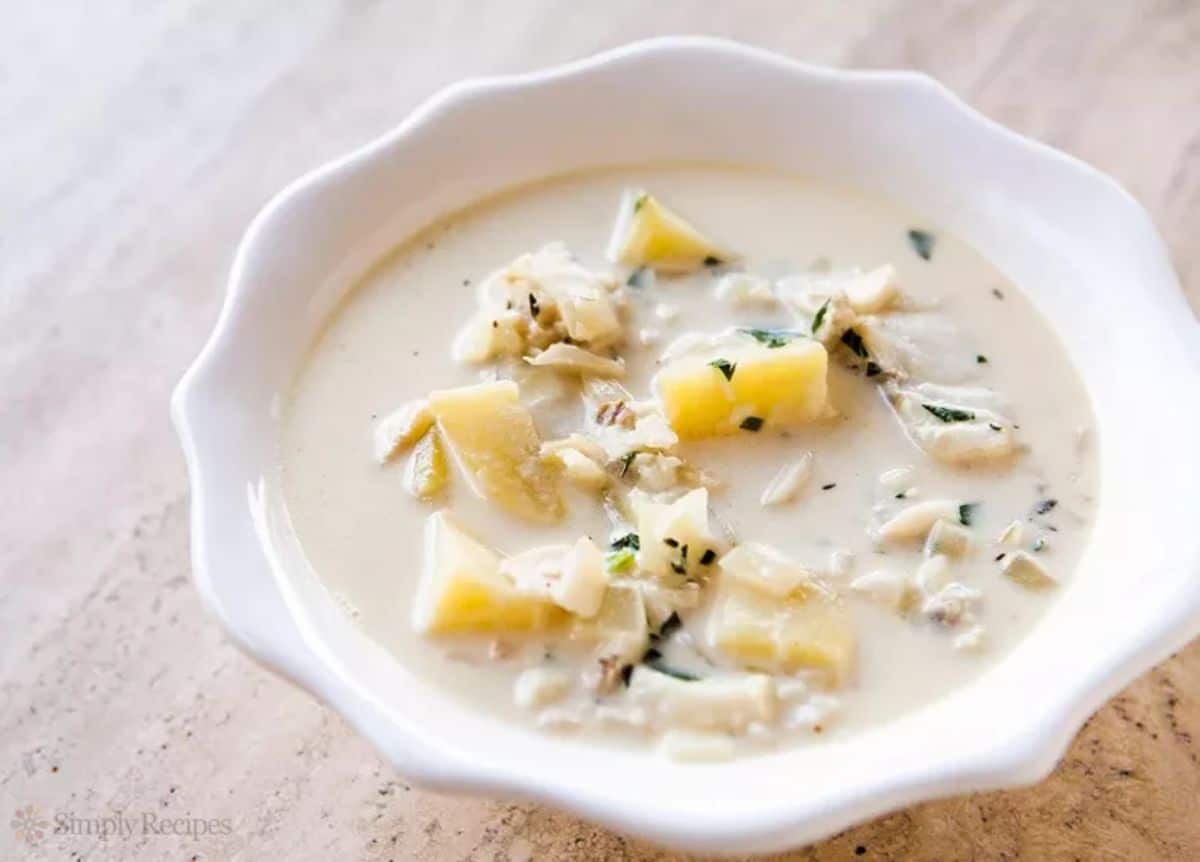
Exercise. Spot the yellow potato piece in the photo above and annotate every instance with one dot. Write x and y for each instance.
(427, 472)
(781, 386)
(462, 590)
(494, 441)
(622, 617)
(762, 632)
(649, 234)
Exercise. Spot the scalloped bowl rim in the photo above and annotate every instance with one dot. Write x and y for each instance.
(277, 627)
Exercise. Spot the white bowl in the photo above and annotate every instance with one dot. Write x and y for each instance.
(1071, 238)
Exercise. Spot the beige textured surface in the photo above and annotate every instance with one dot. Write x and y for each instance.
(140, 138)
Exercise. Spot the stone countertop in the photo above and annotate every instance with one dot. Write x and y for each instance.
(140, 140)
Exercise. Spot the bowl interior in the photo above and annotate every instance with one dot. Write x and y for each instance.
(1072, 240)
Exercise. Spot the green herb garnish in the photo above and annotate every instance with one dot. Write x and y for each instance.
(966, 513)
(626, 674)
(829, 487)
(671, 543)
(637, 278)
(709, 260)
(629, 540)
(1040, 544)
(854, 341)
(994, 426)
(950, 414)
(1044, 507)
(534, 308)
(706, 559)
(639, 202)
(725, 367)
(981, 359)
(770, 337)
(819, 317)
(751, 423)
(922, 243)
(873, 370)
(619, 561)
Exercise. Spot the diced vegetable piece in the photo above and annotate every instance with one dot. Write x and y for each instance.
(580, 589)
(426, 473)
(649, 234)
(946, 538)
(401, 428)
(1028, 572)
(955, 424)
(494, 441)
(915, 521)
(674, 537)
(538, 686)
(568, 357)
(765, 633)
(871, 292)
(765, 569)
(889, 589)
(780, 387)
(933, 574)
(462, 590)
(718, 703)
(619, 626)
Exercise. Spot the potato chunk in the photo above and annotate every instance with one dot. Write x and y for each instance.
(763, 632)
(462, 590)
(426, 473)
(745, 389)
(494, 441)
(649, 234)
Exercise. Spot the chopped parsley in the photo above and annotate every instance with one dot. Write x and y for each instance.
(998, 293)
(629, 540)
(950, 414)
(770, 337)
(637, 278)
(854, 341)
(1000, 556)
(751, 423)
(873, 370)
(671, 543)
(619, 560)
(1040, 544)
(966, 513)
(819, 317)
(725, 367)
(669, 625)
(901, 495)
(922, 243)
(994, 426)
(829, 487)
(534, 308)
(710, 260)
(981, 359)
(626, 674)
(639, 202)
(1045, 506)
(706, 559)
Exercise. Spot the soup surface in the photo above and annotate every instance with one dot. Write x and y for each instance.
(704, 458)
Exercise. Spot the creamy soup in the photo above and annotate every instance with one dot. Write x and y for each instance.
(702, 458)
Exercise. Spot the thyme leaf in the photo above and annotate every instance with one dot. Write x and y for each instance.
(950, 414)
(922, 243)
(725, 367)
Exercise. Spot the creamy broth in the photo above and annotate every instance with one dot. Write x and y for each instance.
(963, 324)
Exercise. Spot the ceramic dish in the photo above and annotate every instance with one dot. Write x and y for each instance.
(1071, 238)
